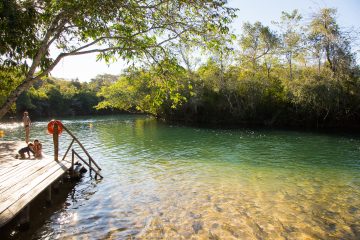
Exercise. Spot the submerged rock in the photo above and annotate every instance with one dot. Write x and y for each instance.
(213, 236)
(331, 227)
(219, 209)
(197, 226)
(355, 229)
(194, 215)
(215, 225)
(352, 209)
(231, 229)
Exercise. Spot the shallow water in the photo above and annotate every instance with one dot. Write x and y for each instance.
(175, 182)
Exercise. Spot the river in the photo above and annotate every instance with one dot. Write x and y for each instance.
(174, 182)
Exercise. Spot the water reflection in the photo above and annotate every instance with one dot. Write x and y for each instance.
(173, 182)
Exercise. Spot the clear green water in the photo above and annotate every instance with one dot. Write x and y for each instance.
(174, 182)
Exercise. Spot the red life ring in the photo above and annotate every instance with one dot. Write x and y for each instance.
(51, 124)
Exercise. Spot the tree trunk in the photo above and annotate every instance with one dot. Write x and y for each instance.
(54, 28)
(328, 57)
(290, 66)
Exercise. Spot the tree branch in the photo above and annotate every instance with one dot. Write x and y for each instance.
(43, 46)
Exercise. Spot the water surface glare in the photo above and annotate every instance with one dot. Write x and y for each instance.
(173, 182)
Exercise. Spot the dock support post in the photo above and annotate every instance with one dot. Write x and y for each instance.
(56, 186)
(48, 195)
(24, 221)
(56, 141)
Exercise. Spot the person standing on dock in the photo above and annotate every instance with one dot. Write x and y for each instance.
(27, 123)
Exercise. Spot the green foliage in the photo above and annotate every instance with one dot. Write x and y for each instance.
(10, 78)
(303, 75)
(257, 42)
(18, 32)
(151, 90)
(291, 38)
(113, 29)
(55, 97)
(279, 79)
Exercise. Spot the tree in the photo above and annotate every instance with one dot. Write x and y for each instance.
(111, 28)
(147, 90)
(256, 42)
(102, 80)
(18, 28)
(291, 37)
(329, 41)
(9, 79)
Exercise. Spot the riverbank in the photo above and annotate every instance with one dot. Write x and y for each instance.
(232, 125)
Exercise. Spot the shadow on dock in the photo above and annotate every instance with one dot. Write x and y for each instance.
(8, 150)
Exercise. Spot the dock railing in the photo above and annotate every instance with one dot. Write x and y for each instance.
(89, 164)
(93, 166)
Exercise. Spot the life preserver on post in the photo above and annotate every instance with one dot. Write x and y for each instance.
(51, 124)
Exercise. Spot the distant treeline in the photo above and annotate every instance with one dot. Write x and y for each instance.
(300, 74)
(56, 97)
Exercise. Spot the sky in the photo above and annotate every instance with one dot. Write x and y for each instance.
(86, 67)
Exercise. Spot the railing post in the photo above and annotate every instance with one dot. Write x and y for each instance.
(56, 142)
(90, 166)
(68, 149)
(72, 162)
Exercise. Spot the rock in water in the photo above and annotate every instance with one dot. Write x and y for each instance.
(195, 216)
(197, 226)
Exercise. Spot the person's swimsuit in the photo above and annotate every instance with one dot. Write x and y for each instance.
(26, 150)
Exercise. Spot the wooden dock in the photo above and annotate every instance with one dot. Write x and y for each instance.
(21, 180)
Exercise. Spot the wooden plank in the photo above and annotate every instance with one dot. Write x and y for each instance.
(7, 165)
(13, 194)
(32, 192)
(23, 176)
(15, 185)
(22, 170)
(11, 170)
(6, 216)
(40, 176)
(13, 163)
